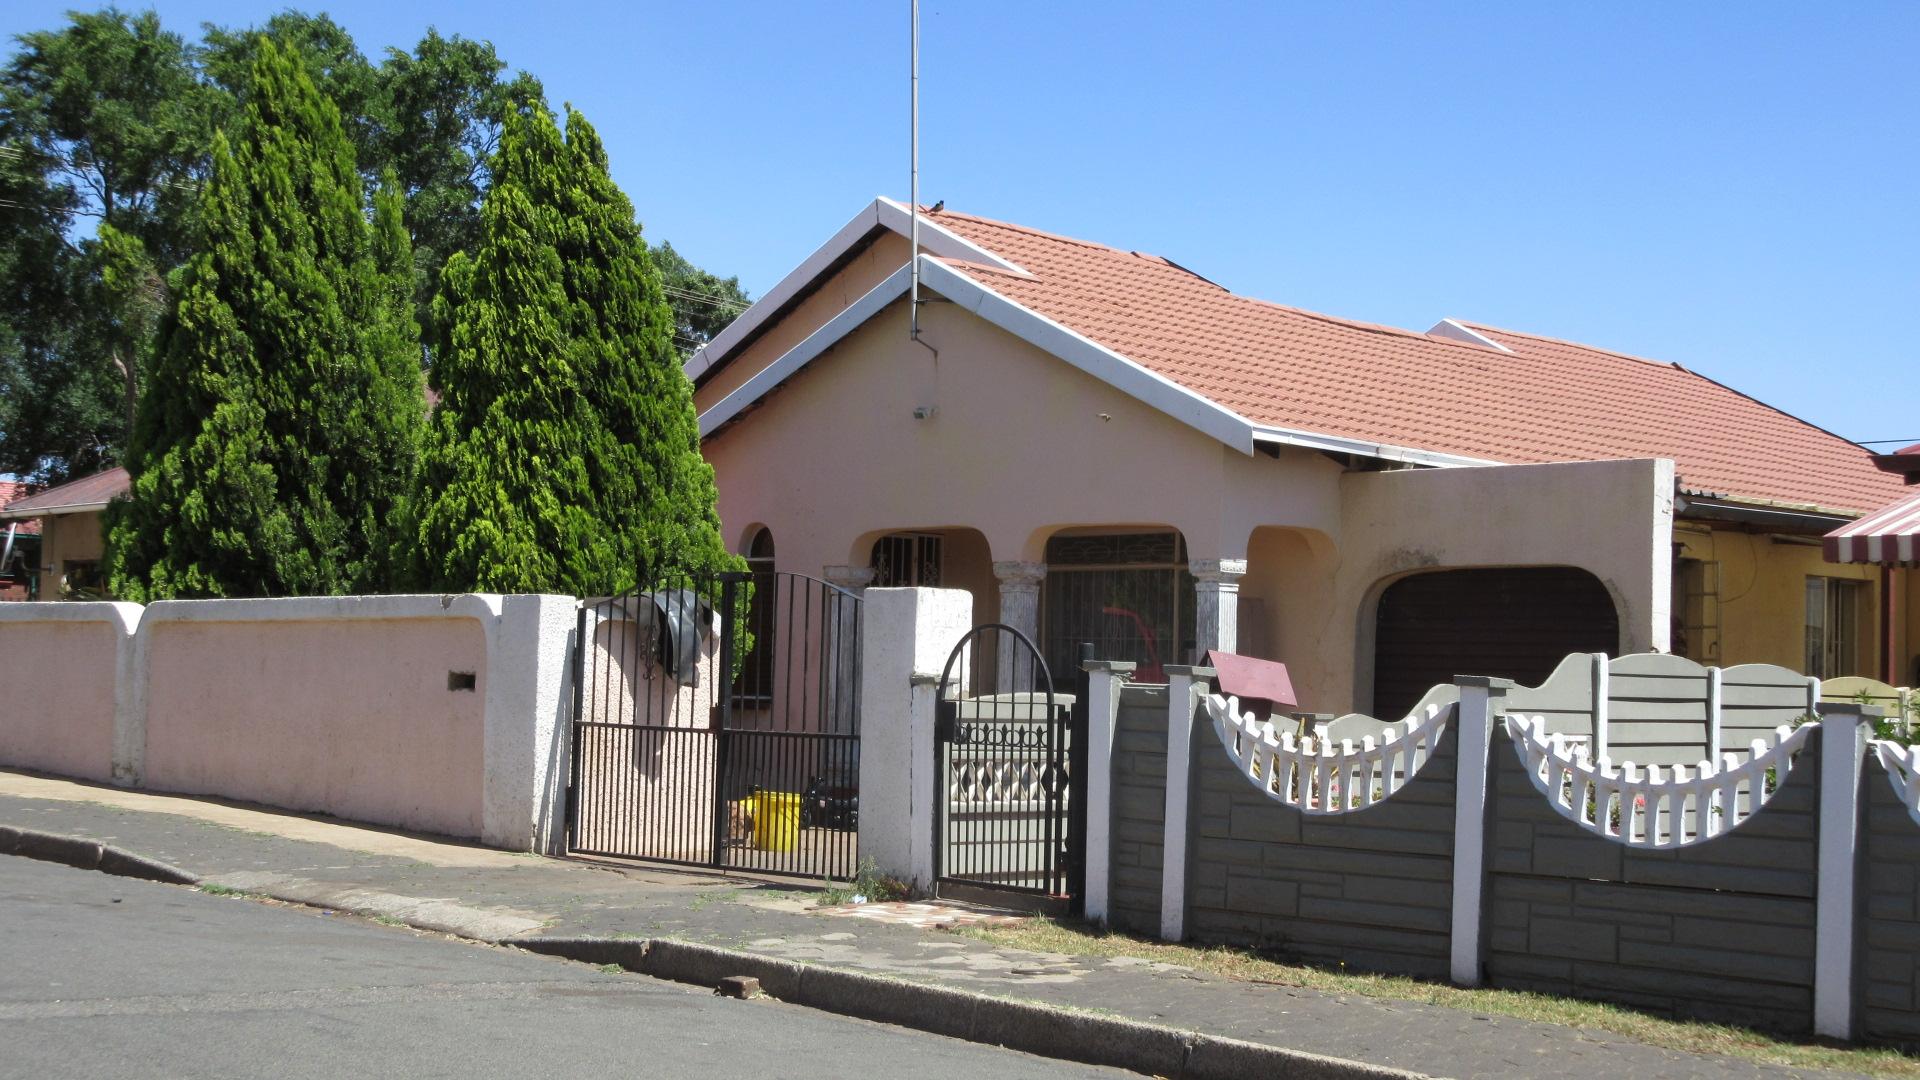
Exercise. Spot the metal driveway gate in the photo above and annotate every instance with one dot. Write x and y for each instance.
(716, 722)
(1010, 772)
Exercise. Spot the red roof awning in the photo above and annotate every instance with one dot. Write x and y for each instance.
(1889, 537)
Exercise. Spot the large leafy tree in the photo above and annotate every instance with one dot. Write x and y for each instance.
(703, 303)
(278, 432)
(564, 455)
(104, 128)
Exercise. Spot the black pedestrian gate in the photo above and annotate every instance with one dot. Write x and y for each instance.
(1010, 809)
(716, 722)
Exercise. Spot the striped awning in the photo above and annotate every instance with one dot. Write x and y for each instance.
(1890, 537)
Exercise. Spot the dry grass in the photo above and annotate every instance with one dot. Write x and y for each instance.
(1073, 939)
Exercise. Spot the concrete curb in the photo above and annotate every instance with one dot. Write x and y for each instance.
(84, 854)
(1032, 1027)
(1028, 1026)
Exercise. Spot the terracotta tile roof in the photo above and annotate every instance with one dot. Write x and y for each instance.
(12, 491)
(1546, 400)
(86, 492)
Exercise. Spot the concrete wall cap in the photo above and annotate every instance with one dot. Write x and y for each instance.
(1190, 670)
(1118, 667)
(1490, 682)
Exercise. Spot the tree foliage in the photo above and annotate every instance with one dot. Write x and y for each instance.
(278, 432)
(106, 129)
(703, 303)
(564, 454)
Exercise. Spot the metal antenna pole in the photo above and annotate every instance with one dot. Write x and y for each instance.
(913, 194)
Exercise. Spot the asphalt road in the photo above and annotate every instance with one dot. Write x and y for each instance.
(108, 977)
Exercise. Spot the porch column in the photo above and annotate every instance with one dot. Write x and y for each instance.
(1216, 606)
(1020, 609)
(844, 648)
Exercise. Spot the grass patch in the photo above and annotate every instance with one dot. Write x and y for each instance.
(224, 890)
(705, 898)
(612, 969)
(1077, 939)
(867, 881)
(387, 920)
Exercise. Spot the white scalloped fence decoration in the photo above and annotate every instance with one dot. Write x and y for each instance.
(1319, 776)
(1655, 807)
(1903, 772)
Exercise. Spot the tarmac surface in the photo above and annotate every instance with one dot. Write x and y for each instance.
(112, 977)
(495, 896)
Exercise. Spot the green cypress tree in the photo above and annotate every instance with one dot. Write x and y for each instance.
(565, 452)
(278, 433)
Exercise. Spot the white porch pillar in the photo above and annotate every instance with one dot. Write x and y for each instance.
(844, 647)
(1020, 609)
(1216, 608)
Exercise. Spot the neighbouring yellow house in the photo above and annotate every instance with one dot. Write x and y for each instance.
(1102, 445)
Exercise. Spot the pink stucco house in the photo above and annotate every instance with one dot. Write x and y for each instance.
(1103, 445)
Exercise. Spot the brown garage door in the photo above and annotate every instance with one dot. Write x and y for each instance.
(1516, 622)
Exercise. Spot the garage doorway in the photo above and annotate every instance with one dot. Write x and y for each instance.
(1516, 622)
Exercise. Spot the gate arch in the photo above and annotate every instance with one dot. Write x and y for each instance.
(1009, 771)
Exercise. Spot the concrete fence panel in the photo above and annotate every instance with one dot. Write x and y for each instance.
(1139, 803)
(60, 664)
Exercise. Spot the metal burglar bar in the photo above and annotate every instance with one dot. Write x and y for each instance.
(716, 723)
(1010, 806)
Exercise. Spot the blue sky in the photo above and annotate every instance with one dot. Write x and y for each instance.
(1729, 186)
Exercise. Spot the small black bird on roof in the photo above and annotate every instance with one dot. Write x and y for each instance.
(937, 207)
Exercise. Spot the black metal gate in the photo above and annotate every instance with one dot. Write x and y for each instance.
(716, 722)
(1010, 809)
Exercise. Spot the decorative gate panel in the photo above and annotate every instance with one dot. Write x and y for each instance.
(716, 723)
(1009, 802)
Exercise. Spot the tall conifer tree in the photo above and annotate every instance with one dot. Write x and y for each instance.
(278, 434)
(565, 453)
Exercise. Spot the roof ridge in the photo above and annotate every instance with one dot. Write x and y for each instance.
(1676, 366)
(1575, 344)
(1031, 231)
(1342, 320)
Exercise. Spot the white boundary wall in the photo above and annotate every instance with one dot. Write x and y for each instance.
(442, 714)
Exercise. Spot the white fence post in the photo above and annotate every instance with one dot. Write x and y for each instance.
(1602, 750)
(1185, 687)
(1481, 699)
(1103, 712)
(905, 636)
(1843, 742)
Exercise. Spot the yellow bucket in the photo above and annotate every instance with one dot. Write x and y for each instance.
(776, 820)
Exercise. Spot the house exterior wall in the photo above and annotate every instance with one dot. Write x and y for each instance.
(1762, 597)
(1318, 592)
(64, 538)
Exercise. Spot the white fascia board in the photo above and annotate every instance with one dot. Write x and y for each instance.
(882, 212)
(771, 376)
(936, 239)
(1383, 451)
(51, 511)
(1193, 409)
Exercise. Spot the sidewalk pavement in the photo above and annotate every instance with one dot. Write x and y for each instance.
(496, 896)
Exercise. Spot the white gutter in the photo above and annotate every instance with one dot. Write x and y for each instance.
(1383, 451)
(50, 511)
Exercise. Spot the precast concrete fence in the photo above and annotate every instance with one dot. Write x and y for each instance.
(1718, 845)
